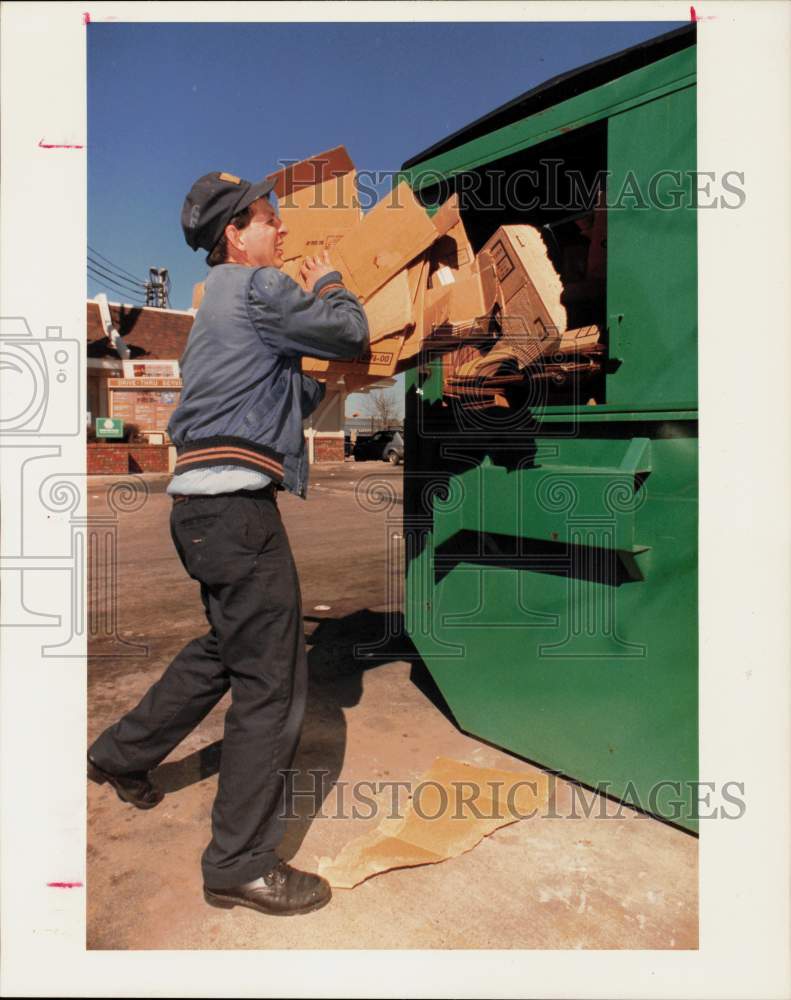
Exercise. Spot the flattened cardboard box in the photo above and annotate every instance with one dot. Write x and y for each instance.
(393, 233)
(380, 361)
(317, 202)
(306, 174)
(453, 249)
(381, 254)
(461, 289)
(397, 275)
(390, 310)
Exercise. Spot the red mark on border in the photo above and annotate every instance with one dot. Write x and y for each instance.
(86, 18)
(64, 885)
(692, 15)
(55, 145)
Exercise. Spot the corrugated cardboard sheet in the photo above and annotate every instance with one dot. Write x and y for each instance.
(454, 806)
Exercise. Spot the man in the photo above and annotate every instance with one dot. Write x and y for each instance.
(238, 432)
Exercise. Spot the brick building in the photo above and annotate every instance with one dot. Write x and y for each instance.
(145, 388)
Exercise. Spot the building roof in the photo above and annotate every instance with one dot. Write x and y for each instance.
(566, 85)
(153, 334)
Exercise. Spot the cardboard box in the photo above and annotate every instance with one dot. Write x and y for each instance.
(471, 280)
(528, 291)
(530, 287)
(306, 174)
(382, 255)
(397, 307)
(318, 203)
(457, 300)
(391, 309)
(471, 371)
(380, 361)
(452, 251)
(578, 341)
(389, 237)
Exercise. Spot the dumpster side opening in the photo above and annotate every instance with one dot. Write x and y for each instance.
(559, 187)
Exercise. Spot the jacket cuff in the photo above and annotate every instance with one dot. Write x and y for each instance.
(328, 281)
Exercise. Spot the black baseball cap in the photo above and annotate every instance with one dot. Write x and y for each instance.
(212, 202)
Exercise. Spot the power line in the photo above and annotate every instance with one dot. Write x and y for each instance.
(123, 298)
(111, 277)
(116, 266)
(108, 270)
(156, 289)
(118, 281)
(100, 279)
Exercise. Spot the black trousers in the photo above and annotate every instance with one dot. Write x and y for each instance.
(235, 545)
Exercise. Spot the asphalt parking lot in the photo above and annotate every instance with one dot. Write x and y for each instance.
(597, 882)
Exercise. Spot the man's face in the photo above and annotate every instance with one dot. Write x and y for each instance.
(261, 241)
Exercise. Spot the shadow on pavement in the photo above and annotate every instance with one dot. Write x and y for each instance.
(340, 650)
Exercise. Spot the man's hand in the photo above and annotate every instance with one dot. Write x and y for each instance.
(314, 268)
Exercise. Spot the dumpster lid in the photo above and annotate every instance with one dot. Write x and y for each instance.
(559, 88)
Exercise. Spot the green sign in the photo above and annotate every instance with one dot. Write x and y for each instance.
(109, 427)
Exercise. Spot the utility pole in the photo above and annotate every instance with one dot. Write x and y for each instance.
(158, 288)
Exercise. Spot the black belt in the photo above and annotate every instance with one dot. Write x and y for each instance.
(268, 492)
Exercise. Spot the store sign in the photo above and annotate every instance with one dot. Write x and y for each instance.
(143, 383)
(109, 427)
(151, 369)
(148, 403)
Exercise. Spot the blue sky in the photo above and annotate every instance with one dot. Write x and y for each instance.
(170, 102)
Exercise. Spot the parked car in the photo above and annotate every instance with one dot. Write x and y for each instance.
(385, 445)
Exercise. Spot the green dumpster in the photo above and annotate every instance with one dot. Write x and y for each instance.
(551, 546)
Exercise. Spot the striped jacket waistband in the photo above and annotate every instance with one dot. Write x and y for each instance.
(228, 450)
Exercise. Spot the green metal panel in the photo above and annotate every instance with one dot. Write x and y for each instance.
(652, 254)
(551, 567)
(579, 653)
(662, 77)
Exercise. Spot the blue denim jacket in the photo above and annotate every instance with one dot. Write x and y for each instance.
(244, 396)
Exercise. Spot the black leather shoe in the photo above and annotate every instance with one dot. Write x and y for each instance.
(135, 788)
(281, 892)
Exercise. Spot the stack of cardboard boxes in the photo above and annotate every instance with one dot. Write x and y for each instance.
(423, 289)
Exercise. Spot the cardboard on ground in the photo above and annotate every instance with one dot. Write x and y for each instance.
(458, 806)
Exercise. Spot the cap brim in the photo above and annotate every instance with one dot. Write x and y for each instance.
(255, 191)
